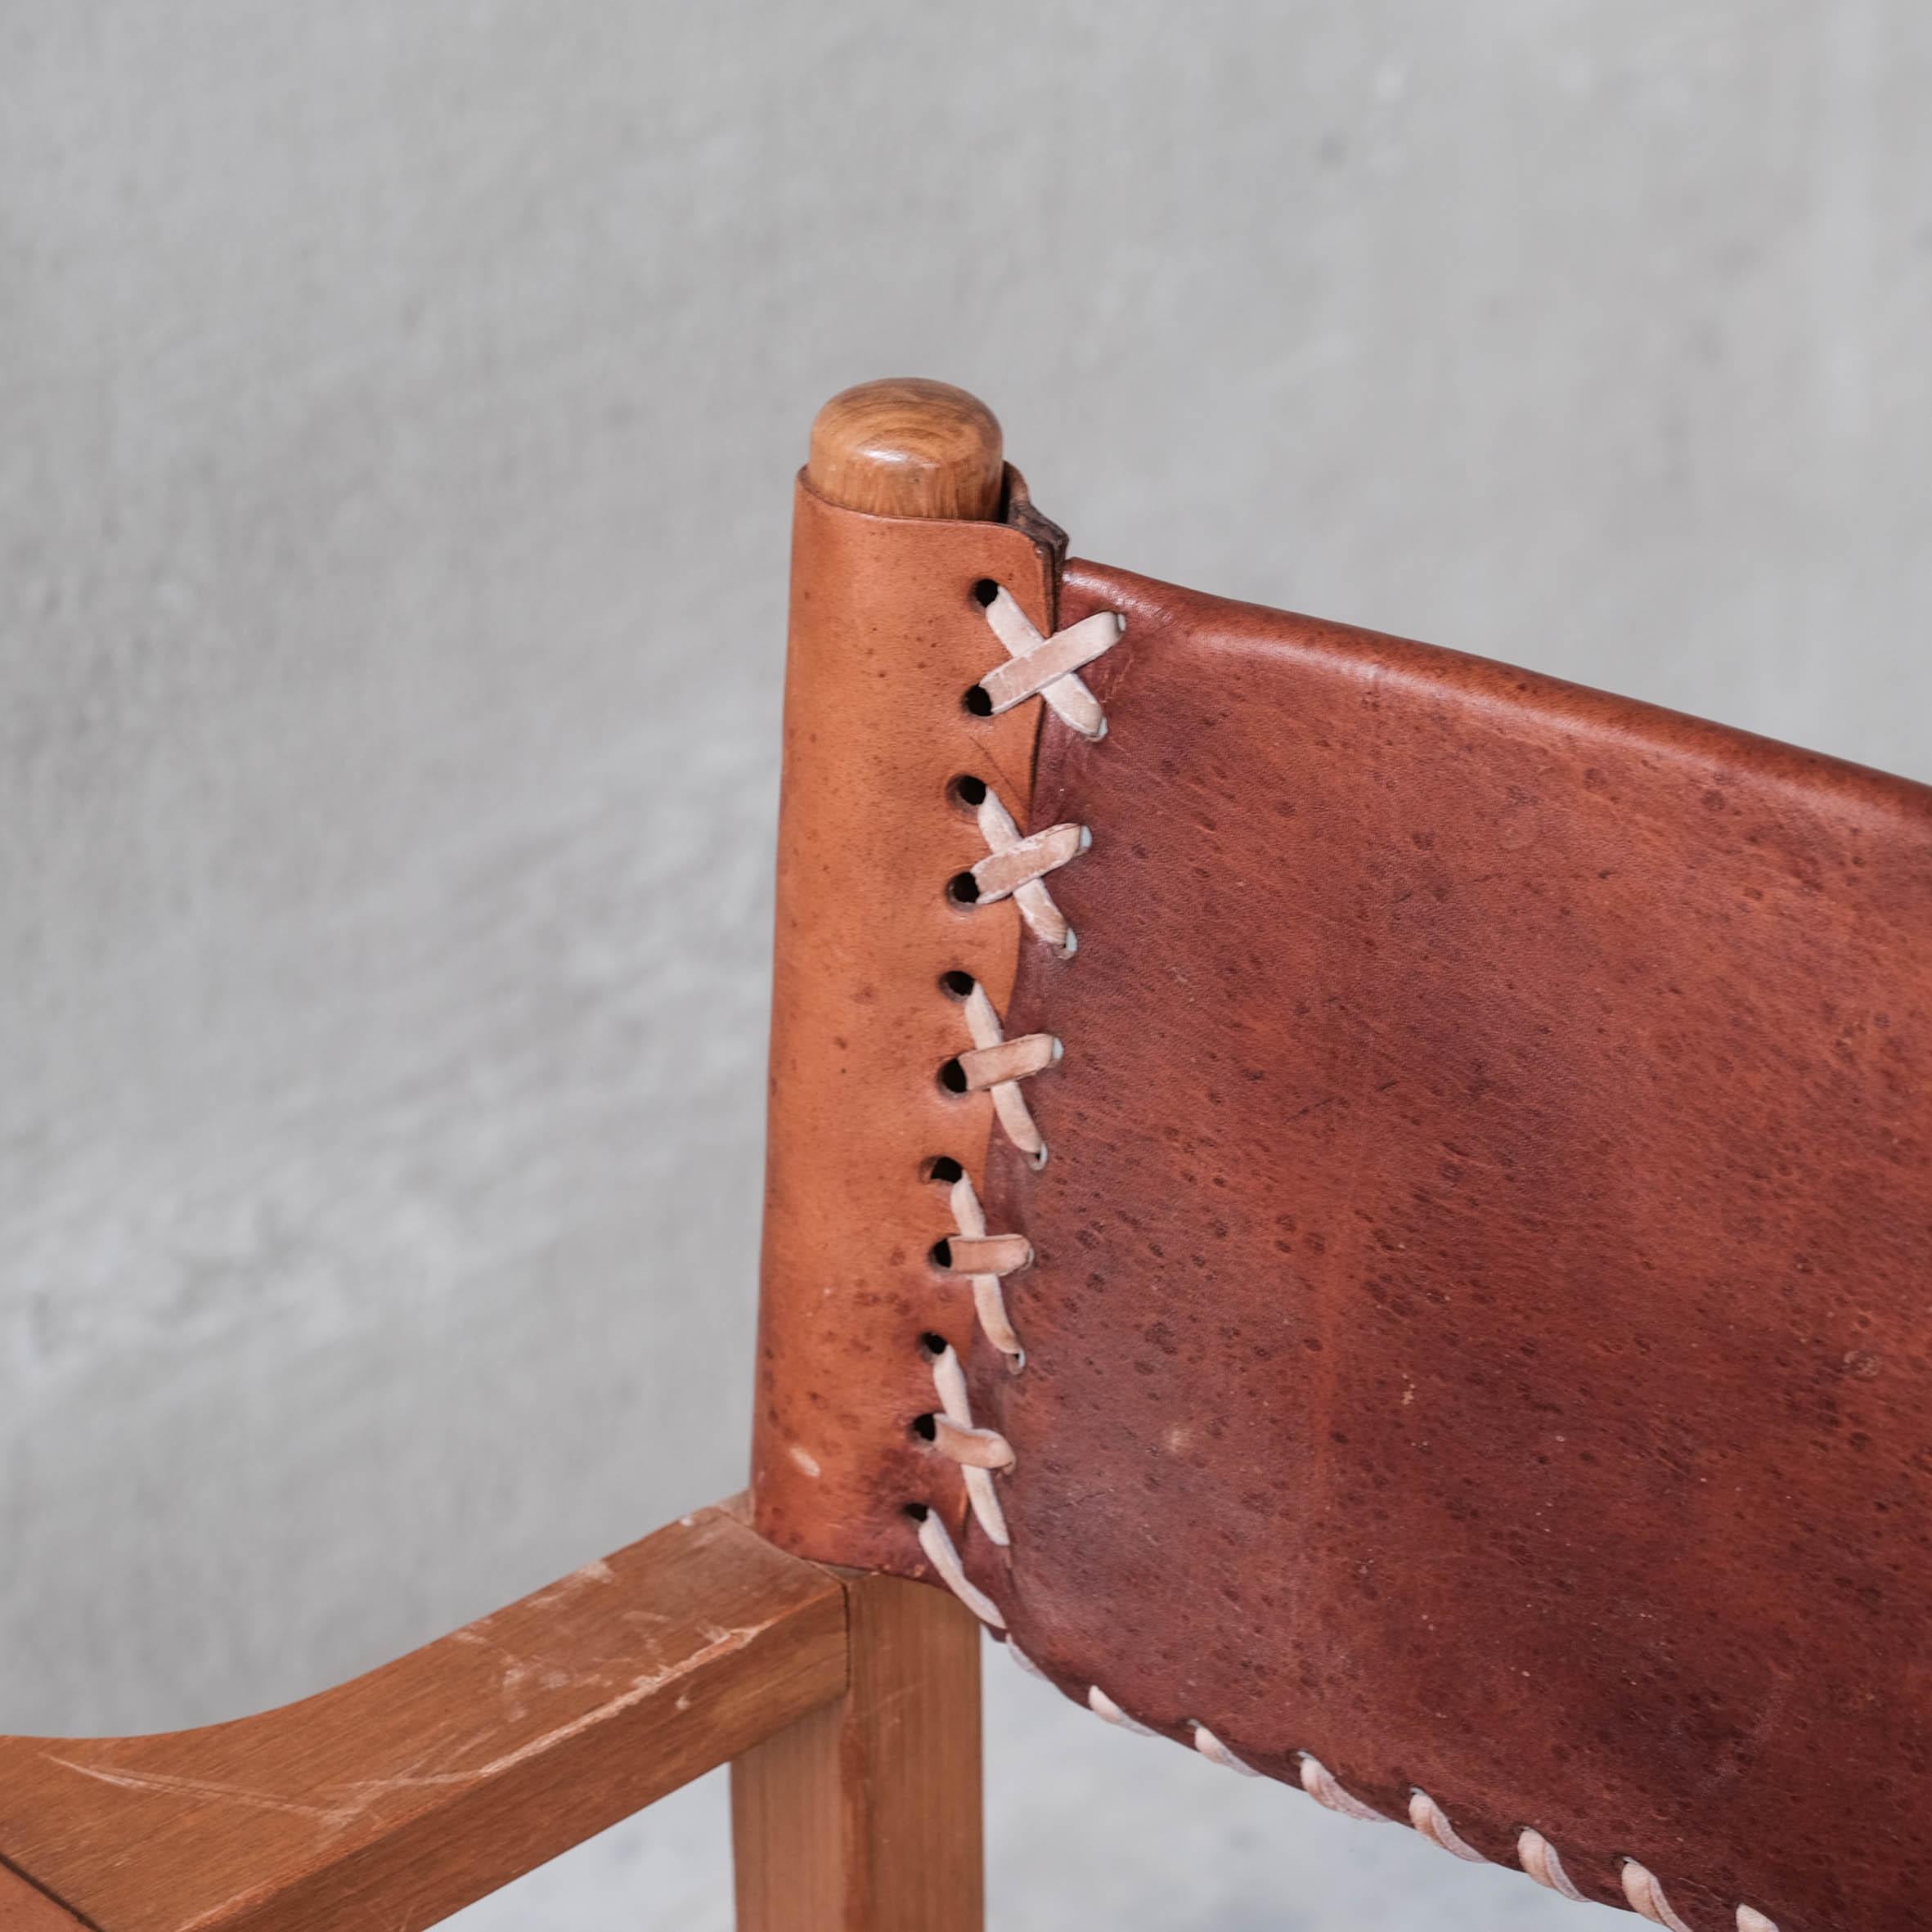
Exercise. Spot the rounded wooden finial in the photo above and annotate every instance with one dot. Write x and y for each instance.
(908, 447)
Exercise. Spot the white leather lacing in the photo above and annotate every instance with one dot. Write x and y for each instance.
(1427, 1817)
(1322, 1785)
(996, 1065)
(955, 1407)
(1048, 667)
(1538, 1857)
(1534, 1853)
(989, 1300)
(1016, 866)
(1102, 1705)
(944, 1557)
(1211, 1748)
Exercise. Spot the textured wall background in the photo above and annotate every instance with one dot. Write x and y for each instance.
(399, 405)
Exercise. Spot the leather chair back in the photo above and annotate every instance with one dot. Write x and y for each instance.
(1373, 1214)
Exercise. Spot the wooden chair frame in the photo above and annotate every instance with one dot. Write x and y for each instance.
(848, 1706)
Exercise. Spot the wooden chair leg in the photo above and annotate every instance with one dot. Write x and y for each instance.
(865, 1816)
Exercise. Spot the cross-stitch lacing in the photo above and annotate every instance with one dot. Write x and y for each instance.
(1046, 667)
(997, 1065)
(1015, 867)
(956, 1409)
(989, 1300)
(1019, 867)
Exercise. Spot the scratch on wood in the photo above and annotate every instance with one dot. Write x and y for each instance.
(161, 1783)
(598, 1572)
(341, 1805)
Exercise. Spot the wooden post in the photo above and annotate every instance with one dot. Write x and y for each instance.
(865, 1816)
(908, 447)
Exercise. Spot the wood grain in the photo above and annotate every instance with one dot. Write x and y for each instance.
(25, 1908)
(865, 1816)
(397, 1798)
(908, 447)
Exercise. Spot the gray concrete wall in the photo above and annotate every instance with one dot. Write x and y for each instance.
(396, 406)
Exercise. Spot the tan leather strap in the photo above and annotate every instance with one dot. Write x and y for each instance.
(889, 1064)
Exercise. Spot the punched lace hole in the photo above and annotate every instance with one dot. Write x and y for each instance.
(942, 1167)
(952, 1077)
(916, 1511)
(925, 1428)
(966, 792)
(956, 985)
(941, 1253)
(933, 1345)
(963, 889)
(984, 591)
(979, 702)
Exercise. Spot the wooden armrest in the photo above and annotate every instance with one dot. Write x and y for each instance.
(400, 1796)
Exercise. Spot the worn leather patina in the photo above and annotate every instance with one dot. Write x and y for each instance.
(1481, 1328)
(1479, 1334)
(887, 639)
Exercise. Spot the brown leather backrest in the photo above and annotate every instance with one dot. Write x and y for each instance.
(1479, 1325)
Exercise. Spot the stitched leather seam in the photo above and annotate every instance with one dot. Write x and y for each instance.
(1016, 867)
(1536, 1854)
